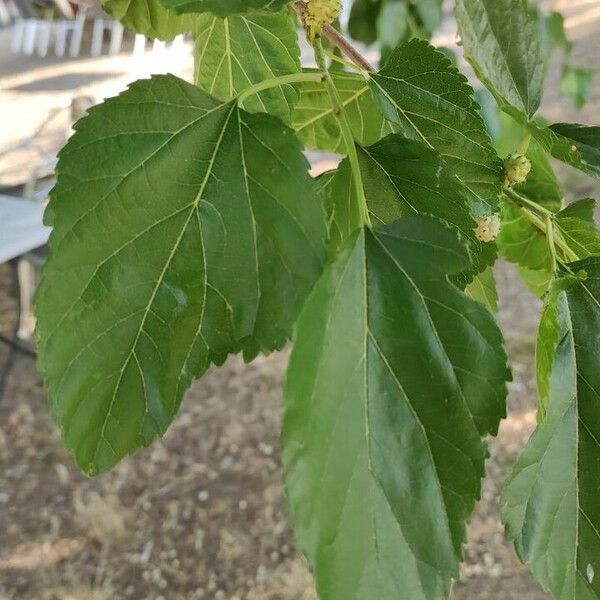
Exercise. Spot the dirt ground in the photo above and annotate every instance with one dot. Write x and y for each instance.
(201, 513)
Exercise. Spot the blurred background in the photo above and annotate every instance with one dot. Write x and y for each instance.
(200, 514)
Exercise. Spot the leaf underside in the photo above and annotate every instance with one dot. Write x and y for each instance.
(223, 8)
(234, 53)
(149, 17)
(172, 247)
(520, 242)
(317, 125)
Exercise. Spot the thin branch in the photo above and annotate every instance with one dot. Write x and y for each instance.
(276, 82)
(337, 39)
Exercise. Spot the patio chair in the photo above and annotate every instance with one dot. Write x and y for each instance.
(62, 28)
(32, 34)
(102, 24)
(22, 239)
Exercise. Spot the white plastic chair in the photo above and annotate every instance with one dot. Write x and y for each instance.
(34, 35)
(16, 40)
(30, 29)
(43, 33)
(116, 36)
(61, 30)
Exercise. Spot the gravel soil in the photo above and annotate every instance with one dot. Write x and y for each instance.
(201, 513)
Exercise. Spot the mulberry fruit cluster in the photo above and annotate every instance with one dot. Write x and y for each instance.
(516, 169)
(319, 13)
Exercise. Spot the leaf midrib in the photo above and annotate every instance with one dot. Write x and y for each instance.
(120, 181)
(194, 206)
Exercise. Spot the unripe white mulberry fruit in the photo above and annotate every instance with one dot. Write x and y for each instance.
(488, 228)
(319, 13)
(516, 169)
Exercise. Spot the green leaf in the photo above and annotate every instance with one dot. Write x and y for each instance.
(578, 145)
(548, 338)
(392, 26)
(223, 8)
(542, 186)
(483, 289)
(440, 112)
(557, 37)
(537, 282)
(574, 144)
(501, 41)
(172, 247)
(520, 242)
(340, 200)
(550, 501)
(362, 23)
(578, 229)
(383, 458)
(576, 84)
(317, 125)
(430, 14)
(149, 17)
(580, 209)
(402, 178)
(234, 53)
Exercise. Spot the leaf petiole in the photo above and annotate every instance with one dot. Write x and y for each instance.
(347, 63)
(557, 241)
(522, 200)
(338, 107)
(277, 82)
(550, 238)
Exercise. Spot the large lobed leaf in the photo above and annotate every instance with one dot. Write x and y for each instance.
(550, 501)
(423, 92)
(501, 41)
(393, 377)
(172, 246)
(234, 53)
